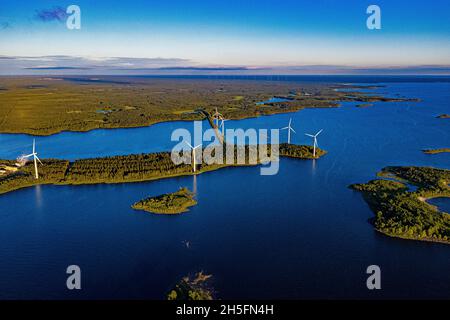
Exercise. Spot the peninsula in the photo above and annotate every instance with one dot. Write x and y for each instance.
(120, 169)
(400, 212)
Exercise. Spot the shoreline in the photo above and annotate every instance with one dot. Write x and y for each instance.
(66, 172)
(321, 99)
(401, 213)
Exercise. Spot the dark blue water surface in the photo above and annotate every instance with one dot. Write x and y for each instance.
(443, 204)
(298, 234)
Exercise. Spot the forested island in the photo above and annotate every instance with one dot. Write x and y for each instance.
(171, 203)
(400, 212)
(120, 169)
(300, 151)
(45, 106)
(436, 151)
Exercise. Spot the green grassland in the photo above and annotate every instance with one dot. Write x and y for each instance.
(44, 106)
(406, 214)
(171, 203)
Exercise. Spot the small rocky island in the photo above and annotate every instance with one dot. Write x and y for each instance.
(436, 151)
(192, 288)
(444, 116)
(171, 203)
(404, 213)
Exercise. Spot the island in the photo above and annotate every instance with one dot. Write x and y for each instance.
(171, 203)
(364, 105)
(444, 116)
(404, 213)
(436, 151)
(122, 169)
(300, 151)
(192, 288)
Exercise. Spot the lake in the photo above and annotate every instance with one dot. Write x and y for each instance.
(299, 234)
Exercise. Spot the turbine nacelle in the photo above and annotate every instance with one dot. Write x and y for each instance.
(289, 129)
(35, 159)
(314, 136)
(217, 116)
(194, 164)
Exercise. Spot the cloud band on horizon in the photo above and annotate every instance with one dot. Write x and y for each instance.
(63, 64)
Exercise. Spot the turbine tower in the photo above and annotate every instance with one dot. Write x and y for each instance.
(289, 129)
(315, 145)
(194, 164)
(217, 116)
(222, 124)
(35, 158)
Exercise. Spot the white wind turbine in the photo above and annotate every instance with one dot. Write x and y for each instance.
(315, 145)
(194, 164)
(222, 124)
(289, 129)
(217, 116)
(35, 158)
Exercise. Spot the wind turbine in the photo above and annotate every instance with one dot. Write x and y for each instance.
(315, 145)
(194, 164)
(289, 129)
(222, 124)
(35, 158)
(217, 116)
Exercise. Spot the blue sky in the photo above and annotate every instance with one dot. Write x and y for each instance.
(229, 36)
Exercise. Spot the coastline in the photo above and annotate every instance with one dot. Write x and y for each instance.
(324, 96)
(402, 213)
(64, 176)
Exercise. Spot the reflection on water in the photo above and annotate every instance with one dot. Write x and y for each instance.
(313, 165)
(38, 195)
(194, 184)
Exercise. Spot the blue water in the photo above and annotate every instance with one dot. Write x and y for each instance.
(443, 204)
(274, 100)
(299, 234)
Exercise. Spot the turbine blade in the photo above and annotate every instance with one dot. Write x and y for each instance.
(319, 132)
(293, 130)
(284, 128)
(39, 160)
(198, 146)
(309, 135)
(189, 144)
(34, 145)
